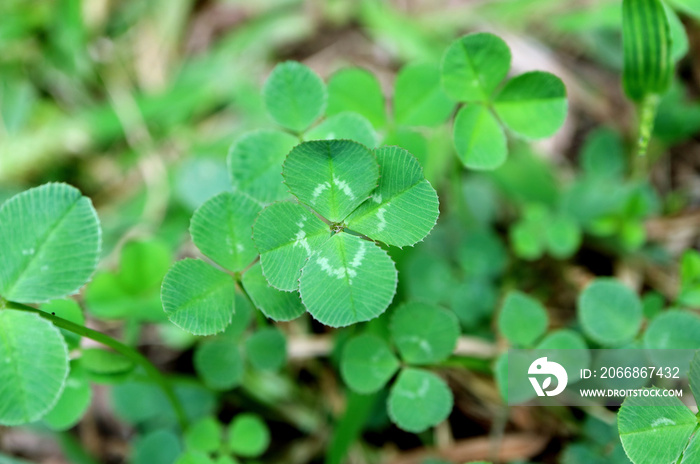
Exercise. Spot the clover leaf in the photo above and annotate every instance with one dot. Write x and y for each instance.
(319, 246)
(655, 429)
(473, 68)
(367, 363)
(610, 313)
(35, 366)
(50, 242)
(294, 96)
(423, 333)
(419, 399)
(522, 319)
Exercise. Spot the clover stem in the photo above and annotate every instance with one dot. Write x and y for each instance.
(119, 347)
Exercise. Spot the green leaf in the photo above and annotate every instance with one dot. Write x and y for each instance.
(106, 298)
(367, 363)
(275, 304)
(205, 435)
(694, 376)
(654, 429)
(219, 364)
(527, 236)
(481, 254)
(133, 291)
(200, 178)
(533, 93)
(410, 139)
(348, 280)
(419, 99)
(143, 265)
(198, 298)
(267, 349)
(672, 330)
(690, 267)
(563, 236)
(222, 229)
(102, 361)
(255, 164)
(73, 402)
(522, 319)
(224, 459)
(689, 294)
(603, 154)
(34, 361)
(570, 351)
(249, 436)
(286, 234)
(347, 125)
(194, 457)
(646, 39)
(679, 38)
(689, 7)
(474, 65)
(404, 207)
(357, 90)
(158, 447)
(479, 138)
(692, 452)
(610, 313)
(70, 311)
(294, 96)
(240, 320)
(653, 304)
(144, 403)
(50, 242)
(424, 333)
(331, 176)
(473, 302)
(513, 389)
(418, 400)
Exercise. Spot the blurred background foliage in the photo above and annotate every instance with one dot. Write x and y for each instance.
(137, 103)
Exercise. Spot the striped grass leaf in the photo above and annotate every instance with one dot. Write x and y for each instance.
(646, 41)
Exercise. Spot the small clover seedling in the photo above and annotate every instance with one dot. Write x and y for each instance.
(532, 105)
(539, 230)
(220, 361)
(423, 334)
(207, 441)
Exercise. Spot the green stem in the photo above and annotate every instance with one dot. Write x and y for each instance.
(647, 114)
(117, 346)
